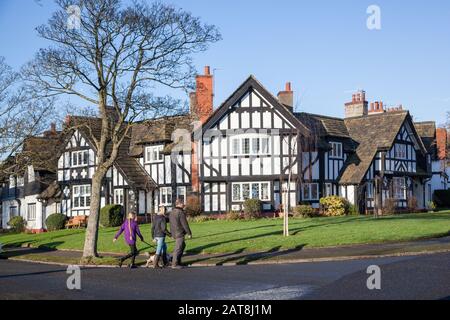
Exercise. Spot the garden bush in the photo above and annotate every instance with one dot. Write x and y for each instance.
(412, 204)
(201, 218)
(111, 215)
(390, 206)
(193, 206)
(17, 224)
(304, 211)
(334, 206)
(55, 221)
(352, 210)
(252, 209)
(233, 215)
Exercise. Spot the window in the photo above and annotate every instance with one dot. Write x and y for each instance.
(310, 191)
(58, 207)
(399, 188)
(166, 196)
(250, 146)
(370, 190)
(80, 158)
(118, 196)
(20, 181)
(328, 189)
(12, 212)
(400, 151)
(336, 150)
(181, 194)
(154, 154)
(250, 190)
(81, 196)
(12, 182)
(31, 212)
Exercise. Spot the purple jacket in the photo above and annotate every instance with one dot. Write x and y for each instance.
(131, 229)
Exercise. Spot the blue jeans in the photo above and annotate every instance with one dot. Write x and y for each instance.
(161, 247)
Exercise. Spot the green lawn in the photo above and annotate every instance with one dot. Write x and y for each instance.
(265, 234)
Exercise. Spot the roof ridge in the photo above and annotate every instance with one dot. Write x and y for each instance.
(319, 115)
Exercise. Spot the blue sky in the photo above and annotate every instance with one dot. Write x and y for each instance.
(323, 47)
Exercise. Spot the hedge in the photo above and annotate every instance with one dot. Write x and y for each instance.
(111, 215)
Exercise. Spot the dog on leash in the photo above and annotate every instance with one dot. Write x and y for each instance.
(151, 259)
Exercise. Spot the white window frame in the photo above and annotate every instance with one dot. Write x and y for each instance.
(309, 187)
(399, 188)
(13, 209)
(119, 196)
(84, 160)
(31, 212)
(337, 151)
(165, 192)
(400, 151)
(12, 182)
(250, 186)
(237, 144)
(153, 154)
(80, 192)
(181, 194)
(20, 181)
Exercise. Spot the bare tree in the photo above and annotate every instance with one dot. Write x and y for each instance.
(113, 56)
(21, 116)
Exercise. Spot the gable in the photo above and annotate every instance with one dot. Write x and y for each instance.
(251, 106)
(77, 140)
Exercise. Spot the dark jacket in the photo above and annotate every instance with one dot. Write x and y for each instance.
(159, 226)
(179, 226)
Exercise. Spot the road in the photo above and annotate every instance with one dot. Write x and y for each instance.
(418, 277)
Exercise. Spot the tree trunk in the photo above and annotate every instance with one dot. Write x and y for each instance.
(90, 242)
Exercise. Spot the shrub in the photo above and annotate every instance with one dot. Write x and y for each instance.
(390, 206)
(353, 210)
(252, 209)
(441, 198)
(334, 206)
(412, 204)
(111, 215)
(17, 224)
(304, 211)
(199, 219)
(56, 221)
(233, 215)
(193, 206)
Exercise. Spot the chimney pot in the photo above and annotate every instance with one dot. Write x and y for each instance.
(207, 70)
(288, 86)
(381, 106)
(372, 106)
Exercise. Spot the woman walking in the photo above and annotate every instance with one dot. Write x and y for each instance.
(131, 229)
(159, 233)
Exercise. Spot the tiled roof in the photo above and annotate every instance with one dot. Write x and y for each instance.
(371, 133)
(427, 132)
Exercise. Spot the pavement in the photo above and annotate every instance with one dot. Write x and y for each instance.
(296, 255)
(406, 277)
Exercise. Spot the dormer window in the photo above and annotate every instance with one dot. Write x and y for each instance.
(80, 158)
(336, 150)
(153, 154)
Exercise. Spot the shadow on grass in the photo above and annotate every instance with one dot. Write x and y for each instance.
(19, 251)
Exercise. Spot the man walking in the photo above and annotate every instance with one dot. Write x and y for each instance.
(179, 228)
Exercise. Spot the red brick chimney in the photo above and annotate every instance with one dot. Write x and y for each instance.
(441, 143)
(286, 97)
(201, 104)
(202, 100)
(52, 132)
(376, 107)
